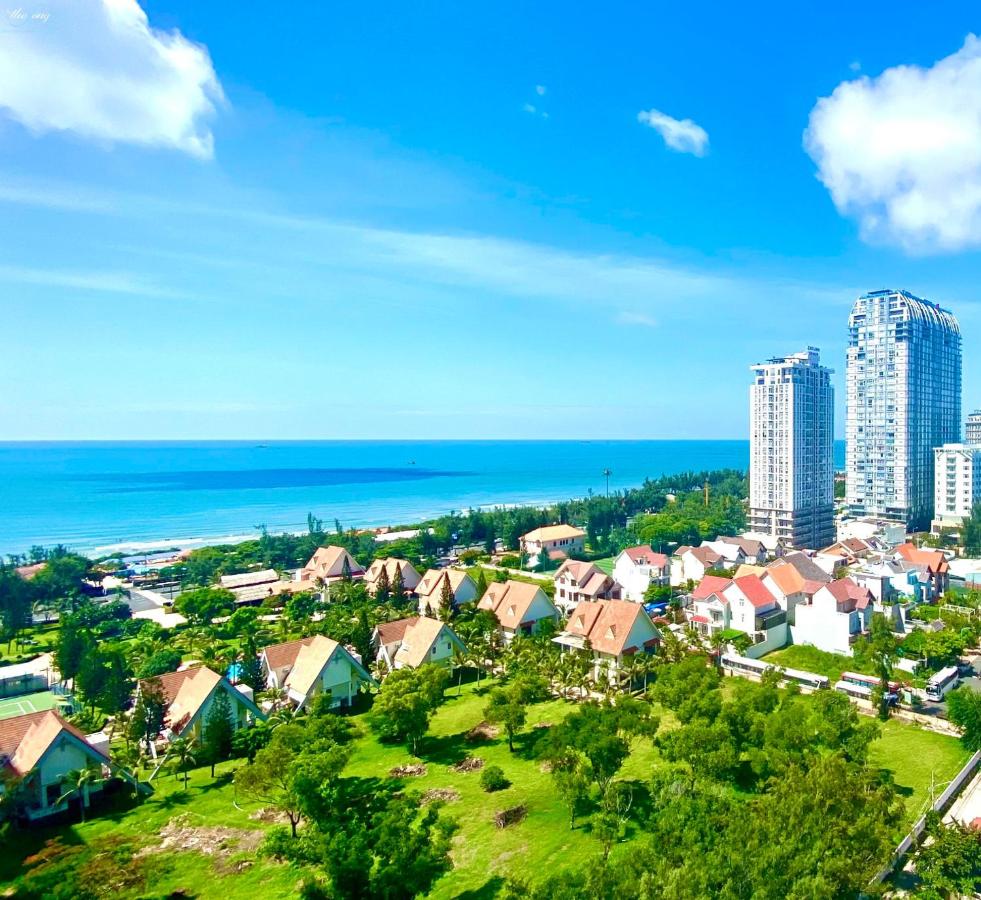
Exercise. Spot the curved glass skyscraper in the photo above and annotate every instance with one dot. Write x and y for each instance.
(903, 398)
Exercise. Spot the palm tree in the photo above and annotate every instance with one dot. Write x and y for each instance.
(606, 474)
(184, 749)
(76, 783)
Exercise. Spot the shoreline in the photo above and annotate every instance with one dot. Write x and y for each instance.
(154, 546)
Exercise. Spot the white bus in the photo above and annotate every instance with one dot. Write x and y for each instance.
(943, 681)
(858, 691)
(805, 679)
(869, 681)
(743, 665)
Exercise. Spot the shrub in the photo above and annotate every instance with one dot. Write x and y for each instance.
(493, 779)
(510, 561)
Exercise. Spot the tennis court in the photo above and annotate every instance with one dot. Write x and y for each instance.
(18, 706)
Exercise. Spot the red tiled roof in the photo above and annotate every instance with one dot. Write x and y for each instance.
(645, 556)
(849, 594)
(755, 591)
(25, 739)
(710, 584)
(934, 560)
(703, 619)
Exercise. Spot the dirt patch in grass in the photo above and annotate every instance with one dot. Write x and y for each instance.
(470, 764)
(270, 816)
(215, 840)
(482, 732)
(411, 771)
(446, 795)
(510, 816)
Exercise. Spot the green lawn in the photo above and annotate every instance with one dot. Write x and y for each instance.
(483, 855)
(916, 759)
(605, 564)
(810, 659)
(34, 640)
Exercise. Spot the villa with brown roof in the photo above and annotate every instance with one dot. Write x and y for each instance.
(519, 608)
(463, 589)
(412, 642)
(558, 541)
(576, 581)
(41, 748)
(313, 666)
(189, 694)
(932, 568)
(609, 630)
(329, 565)
(391, 567)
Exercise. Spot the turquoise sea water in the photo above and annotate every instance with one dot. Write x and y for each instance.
(96, 496)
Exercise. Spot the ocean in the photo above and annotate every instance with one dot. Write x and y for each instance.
(99, 497)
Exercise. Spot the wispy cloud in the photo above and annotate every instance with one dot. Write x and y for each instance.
(540, 89)
(636, 318)
(902, 152)
(98, 282)
(97, 68)
(636, 289)
(682, 135)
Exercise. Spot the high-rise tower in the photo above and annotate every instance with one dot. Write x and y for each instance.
(791, 473)
(903, 399)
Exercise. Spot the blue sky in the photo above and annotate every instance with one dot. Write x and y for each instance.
(444, 220)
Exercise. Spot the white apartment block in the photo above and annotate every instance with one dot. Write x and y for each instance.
(972, 428)
(903, 399)
(957, 483)
(791, 474)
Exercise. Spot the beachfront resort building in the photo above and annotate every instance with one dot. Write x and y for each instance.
(312, 666)
(519, 607)
(328, 565)
(189, 694)
(837, 614)
(389, 570)
(437, 584)
(558, 541)
(957, 484)
(576, 581)
(791, 431)
(39, 750)
(610, 631)
(903, 400)
(412, 642)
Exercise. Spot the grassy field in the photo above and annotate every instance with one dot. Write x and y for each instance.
(605, 564)
(810, 659)
(917, 759)
(483, 855)
(35, 640)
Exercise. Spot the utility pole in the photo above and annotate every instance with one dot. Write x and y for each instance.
(607, 473)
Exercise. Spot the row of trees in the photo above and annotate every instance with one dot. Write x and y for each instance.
(604, 518)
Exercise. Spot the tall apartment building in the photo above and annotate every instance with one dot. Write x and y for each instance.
(903, 399)
(972, 428)
(791, 470)
(957, 483)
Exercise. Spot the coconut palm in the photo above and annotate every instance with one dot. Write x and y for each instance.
(184, 751)
(76, 783)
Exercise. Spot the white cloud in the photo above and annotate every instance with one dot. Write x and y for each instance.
(540, 89)
(855, 66)
(682, 135)
(98, 69)
(529, 108)
(902, 152)
(636, 318)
